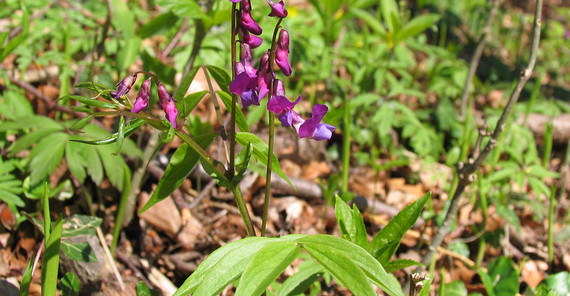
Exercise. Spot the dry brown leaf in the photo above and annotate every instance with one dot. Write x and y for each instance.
(531, 274)
(315, 169)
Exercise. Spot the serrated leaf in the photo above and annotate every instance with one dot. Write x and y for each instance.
(81, 252)
(91, 102)
(395, 230)
(266, 266)
(181, 163)
(46, 156)
(221, 77)
(260, 151)
(371, 267)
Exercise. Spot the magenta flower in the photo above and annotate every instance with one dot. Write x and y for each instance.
(281, 106)
(249, 23)
(264, 76)
(312, 128)
(124, 86)
(277, 9)
(245, 81)
(142, 97)
(250, 39)
(168, 104)
(282, 53)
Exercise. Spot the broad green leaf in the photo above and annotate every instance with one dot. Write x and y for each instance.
(75, 160)
(80, 225)
(185, 84)
(91, 102)
(164, 72)
(350, 223)
(33, 121)
(230, 267)
(94, 164)
(299, 282)
(144, 290)
(455, 288)
(128, 54)
(417, 25)
(395, 230)
(390, 14)
(69, 285)
(113, 164)
(266, 266)
(559, 282)
(81, 252)
(15, 105)
(360, 256)
(541, 172)
(46, 156)
(123, 19)
(189, 102)
(504, 276)
(27, 277)
(50, 265)
(242, 162)
(341, 267)
(221, 77)
(400, 264)
(11, 198)
(163, 21)
(369, 19)
(182, 162)
(241, 122)
(260, 151)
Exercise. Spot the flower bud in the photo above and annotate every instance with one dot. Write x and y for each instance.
(277, 9)
(282, 53)
(143, 97)
(124, 86)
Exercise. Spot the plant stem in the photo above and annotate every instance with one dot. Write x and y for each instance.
(346, 145)
(477, 56)
(217, 107)
(232, 136)
(465, 173)
(240, 202)
(271, 136)
(551, 226)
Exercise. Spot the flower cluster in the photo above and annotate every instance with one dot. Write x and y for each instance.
(166, 101)
(252, 85)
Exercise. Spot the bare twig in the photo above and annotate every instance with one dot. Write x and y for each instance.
(466, 176)
(477, 56)
(174, 41)
(110, 257)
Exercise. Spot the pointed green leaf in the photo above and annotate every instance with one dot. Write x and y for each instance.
(81, 252)
(27, 277)
(266, 266)
(241, 122)
(120, 135)
(260, 151)
(417, 25)
(221, 76)
(163, 21)
(395, 230)
(299, 282)
(91, 102)
(400, 264)
(390, 14)
(369, 19)
(80, 225)
(341, 267)
(189, 102)
(75, 160)
(50, 265)
(46, 156)
(350, 223)
(128, 130)
(70, 285)
(128, 54)
(182, 162)
(371, 267)
(185, 84)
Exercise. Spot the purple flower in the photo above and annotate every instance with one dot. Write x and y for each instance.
(124, 86)
(142, 97)
(281, 106)
(312, 128)
(249, 23)
(277, 9)
(245, 81)
(264, 76)
(167, 104)
(250, 39)
(282, 53)
(235, 1)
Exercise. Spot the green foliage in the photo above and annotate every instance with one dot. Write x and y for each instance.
(69, 285)
(501, 278)
(50, 263)
(257, 261)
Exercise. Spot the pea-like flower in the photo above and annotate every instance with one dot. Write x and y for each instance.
(168, 104)
(245, 81)
(124, 86)
(282, 107)
(282, 53)
(249, 23)
(264, 76)
(277, 9)
(312, 128)
(143, 97)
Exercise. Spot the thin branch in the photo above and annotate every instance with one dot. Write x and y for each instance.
(174, 41)
(466, 176)
(477, 56)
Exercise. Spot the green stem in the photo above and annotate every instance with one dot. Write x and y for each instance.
(243, 210)
(550, 226)
(232, 135)
(346, 145)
